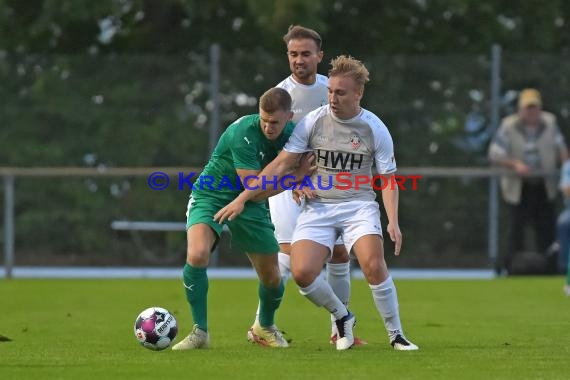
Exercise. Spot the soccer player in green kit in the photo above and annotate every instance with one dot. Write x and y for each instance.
(244, 149)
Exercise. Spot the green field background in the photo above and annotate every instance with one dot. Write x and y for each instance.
(83, 329)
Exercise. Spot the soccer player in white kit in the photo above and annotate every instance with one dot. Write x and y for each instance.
(349, 139)
(309, 91)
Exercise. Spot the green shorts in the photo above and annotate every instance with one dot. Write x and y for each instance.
(252, 231)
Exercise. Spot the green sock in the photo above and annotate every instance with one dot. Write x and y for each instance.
(568, 273)
(196, 287)
(269, 301)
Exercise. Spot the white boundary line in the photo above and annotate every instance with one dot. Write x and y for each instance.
(225, 273)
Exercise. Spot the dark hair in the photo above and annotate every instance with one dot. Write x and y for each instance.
(297, 32)
(275, 99)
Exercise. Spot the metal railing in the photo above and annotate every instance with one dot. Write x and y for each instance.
(10, 174)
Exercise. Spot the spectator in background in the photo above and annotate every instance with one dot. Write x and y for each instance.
(527, 142)
(563, 225)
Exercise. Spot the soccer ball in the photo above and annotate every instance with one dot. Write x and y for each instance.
(155, 328)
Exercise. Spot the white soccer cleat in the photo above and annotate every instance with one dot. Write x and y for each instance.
(266, 336)
(357, 341)
(196, 339)
(402, 344)
(334, 336)
(345, 336)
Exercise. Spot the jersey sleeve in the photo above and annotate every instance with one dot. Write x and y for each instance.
(299, 142)
(384, 150)
(245, 151)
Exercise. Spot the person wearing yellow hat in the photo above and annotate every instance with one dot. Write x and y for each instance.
(530, 107)
(530, 97)
(529, 142)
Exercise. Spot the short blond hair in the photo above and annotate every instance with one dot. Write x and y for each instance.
(348, 66)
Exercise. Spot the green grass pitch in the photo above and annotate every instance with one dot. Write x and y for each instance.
(83, 329)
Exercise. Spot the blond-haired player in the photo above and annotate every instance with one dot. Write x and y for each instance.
(344, 137)
(308, 89)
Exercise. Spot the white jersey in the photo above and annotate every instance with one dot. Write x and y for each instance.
(343, 146)
(306, 98)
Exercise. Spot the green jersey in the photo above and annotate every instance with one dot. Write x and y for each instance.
(242, 146)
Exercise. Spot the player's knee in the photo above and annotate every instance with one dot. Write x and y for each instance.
(197, 256)
(375, 271)
(304, 276)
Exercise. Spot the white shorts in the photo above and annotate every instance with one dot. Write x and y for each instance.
(323, 222)
(284, 213)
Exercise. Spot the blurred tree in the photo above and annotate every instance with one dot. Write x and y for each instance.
(446, 26)
(367, 26)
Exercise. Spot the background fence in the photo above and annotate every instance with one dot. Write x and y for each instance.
(441, 230)
(102, 113)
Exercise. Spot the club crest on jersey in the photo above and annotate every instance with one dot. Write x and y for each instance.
(355, 141)
(321, 139)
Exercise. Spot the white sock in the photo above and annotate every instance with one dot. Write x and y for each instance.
(386, 300)
(321, 294)
(338, 277)
(284, 261)
(284, 266)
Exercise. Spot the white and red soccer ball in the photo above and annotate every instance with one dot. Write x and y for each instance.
(155, 328)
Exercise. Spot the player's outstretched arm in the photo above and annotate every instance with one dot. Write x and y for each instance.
(277, 168)
(305, 168)
(390, 197)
